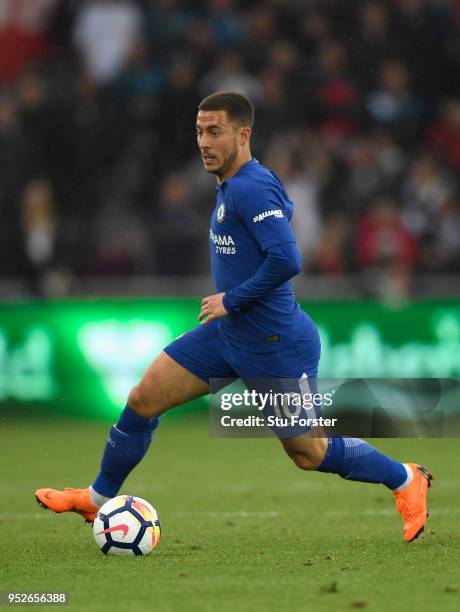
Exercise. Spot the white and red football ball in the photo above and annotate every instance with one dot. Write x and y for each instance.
(127, 525)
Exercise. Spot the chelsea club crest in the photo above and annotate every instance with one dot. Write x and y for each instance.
(221, 213)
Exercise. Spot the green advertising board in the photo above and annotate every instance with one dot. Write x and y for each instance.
(84, 356)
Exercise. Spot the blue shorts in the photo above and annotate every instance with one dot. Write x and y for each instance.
(205, 353)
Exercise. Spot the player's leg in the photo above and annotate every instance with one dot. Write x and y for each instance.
(165, 384)
(356, 459)
(350, 458)
(306, 452)
(178, 375)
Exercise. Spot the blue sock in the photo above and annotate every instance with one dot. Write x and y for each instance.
(354, 459)
(126, 445)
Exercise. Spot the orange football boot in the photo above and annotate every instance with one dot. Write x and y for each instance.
(411, 502)
(69, 500)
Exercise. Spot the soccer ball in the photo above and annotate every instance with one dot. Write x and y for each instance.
(127, 525)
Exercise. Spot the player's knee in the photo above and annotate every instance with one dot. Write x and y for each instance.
(134, 399)
(310, 458)
(140, 403)
(305, 462)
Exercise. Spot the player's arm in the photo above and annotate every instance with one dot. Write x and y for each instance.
(264, 215)
(282, 262)
(263, 211)
(262, 208)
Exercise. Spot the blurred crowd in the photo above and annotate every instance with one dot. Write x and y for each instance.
(357, 109)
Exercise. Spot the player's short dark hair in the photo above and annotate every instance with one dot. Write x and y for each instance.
(239, 109)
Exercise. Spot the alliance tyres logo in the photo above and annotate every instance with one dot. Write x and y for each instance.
(278, 214)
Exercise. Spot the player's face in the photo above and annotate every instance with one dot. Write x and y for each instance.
(218, 141)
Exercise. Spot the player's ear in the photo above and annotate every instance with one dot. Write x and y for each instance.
(245, 133)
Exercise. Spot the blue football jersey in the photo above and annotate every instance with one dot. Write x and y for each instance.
(252, 215)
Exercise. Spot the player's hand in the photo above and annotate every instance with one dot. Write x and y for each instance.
(212, 308)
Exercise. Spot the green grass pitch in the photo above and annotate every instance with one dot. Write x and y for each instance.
(242, 528)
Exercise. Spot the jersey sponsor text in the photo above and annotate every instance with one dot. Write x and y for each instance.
(224, 243)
